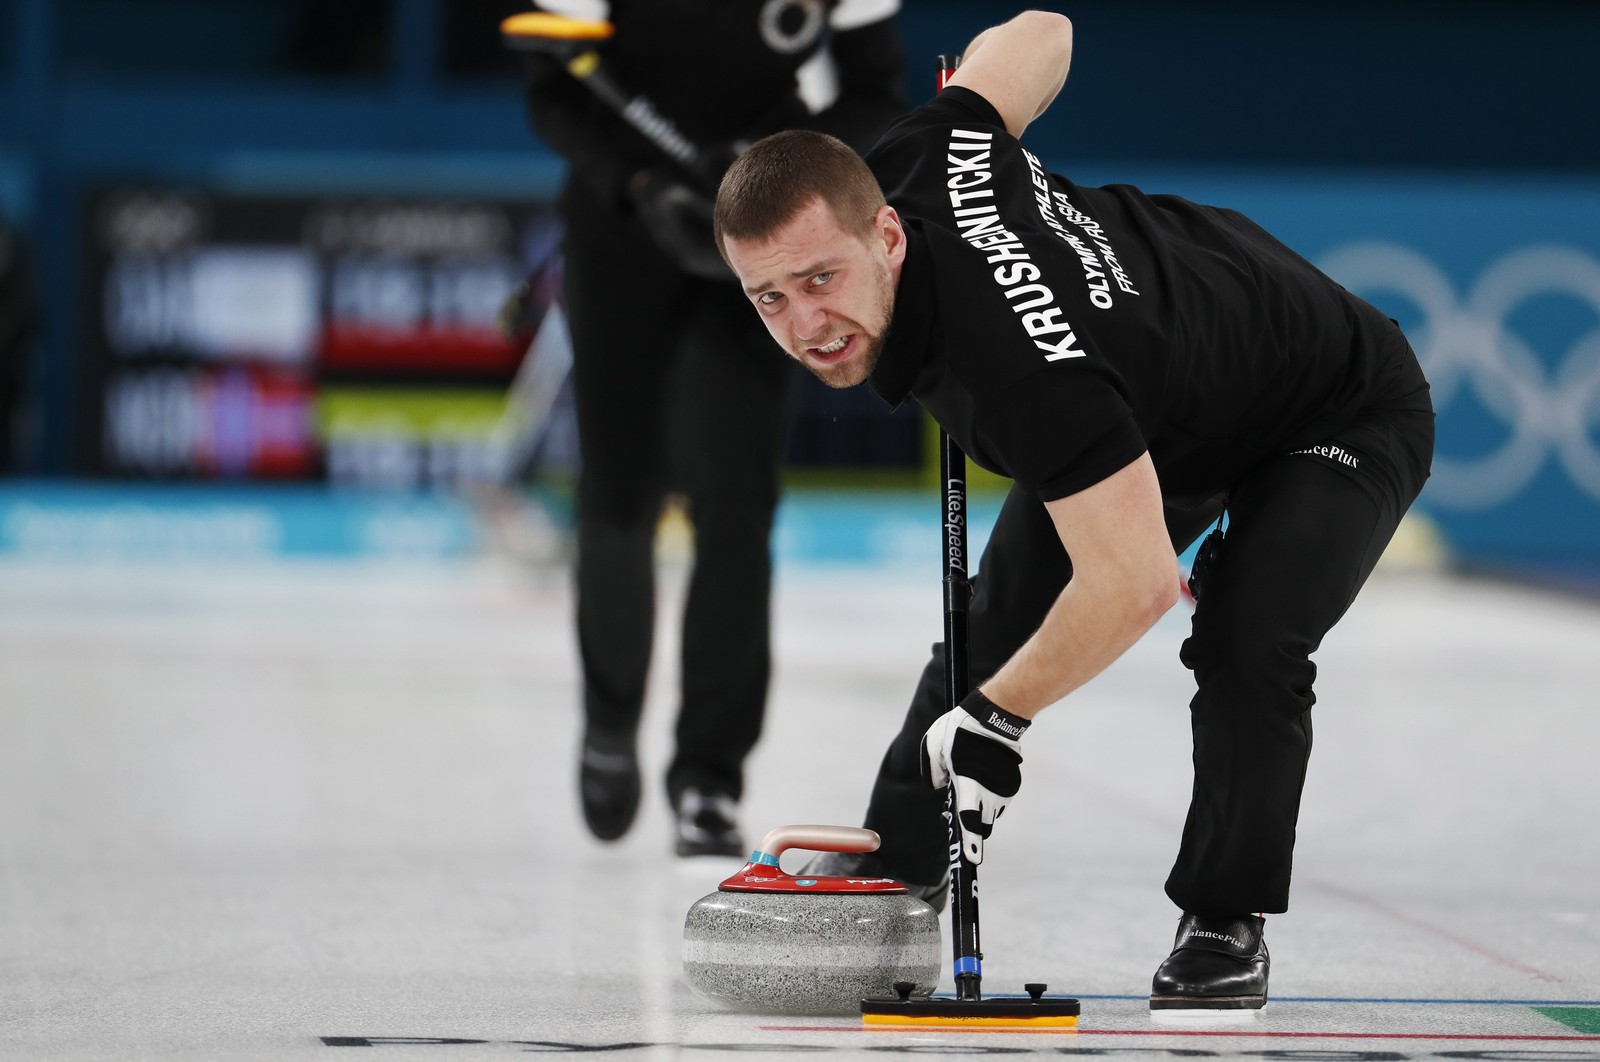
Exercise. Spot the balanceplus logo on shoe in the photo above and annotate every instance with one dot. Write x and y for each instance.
(1228, 938)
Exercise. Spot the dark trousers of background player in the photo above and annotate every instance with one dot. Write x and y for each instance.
(1303, 535)
(678, 387)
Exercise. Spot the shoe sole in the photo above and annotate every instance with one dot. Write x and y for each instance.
(606, 824)
(609, 834)
(1204, 1003)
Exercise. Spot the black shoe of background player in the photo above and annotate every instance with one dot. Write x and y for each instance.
(706, 825)
(608, 783)
(871, 865)
(1216, 964)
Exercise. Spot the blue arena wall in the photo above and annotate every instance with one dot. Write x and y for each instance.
(1495, 280)
(1439, 159)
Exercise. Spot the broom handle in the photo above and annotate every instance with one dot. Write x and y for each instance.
(957, 590)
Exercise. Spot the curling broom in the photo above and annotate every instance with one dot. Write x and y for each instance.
(968, 1010)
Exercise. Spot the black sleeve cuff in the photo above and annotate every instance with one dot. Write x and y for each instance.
(993, 717)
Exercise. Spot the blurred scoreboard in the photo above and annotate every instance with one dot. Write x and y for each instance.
(353, 340)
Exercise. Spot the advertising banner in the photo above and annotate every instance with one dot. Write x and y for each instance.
(353, 340)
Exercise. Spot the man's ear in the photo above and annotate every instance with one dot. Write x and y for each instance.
(886, 226)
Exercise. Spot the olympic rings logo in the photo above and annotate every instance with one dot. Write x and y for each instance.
(1466, 344)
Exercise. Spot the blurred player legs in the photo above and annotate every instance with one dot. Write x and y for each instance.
(704, 416)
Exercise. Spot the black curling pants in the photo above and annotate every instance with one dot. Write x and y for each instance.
(678, 387)
(1304, 532)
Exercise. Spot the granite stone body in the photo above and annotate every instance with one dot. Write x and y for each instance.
(808, 953)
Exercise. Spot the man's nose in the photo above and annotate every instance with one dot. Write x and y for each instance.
(810, 320)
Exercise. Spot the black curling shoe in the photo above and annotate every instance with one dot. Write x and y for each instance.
(608, 783)
(1216, 964)
(708, 825)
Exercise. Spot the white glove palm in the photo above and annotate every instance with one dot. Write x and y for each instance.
(974, 748)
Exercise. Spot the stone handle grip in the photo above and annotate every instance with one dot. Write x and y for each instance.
(819, 839)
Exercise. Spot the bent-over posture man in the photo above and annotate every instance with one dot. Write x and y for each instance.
(1136, 364)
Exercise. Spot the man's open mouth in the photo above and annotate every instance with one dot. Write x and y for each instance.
(834, 351)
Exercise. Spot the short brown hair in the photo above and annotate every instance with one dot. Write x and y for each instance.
(779, 175)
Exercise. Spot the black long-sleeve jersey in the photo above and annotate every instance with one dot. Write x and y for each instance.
(722, 71)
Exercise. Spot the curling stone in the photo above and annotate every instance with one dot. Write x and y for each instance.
(769, 942)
